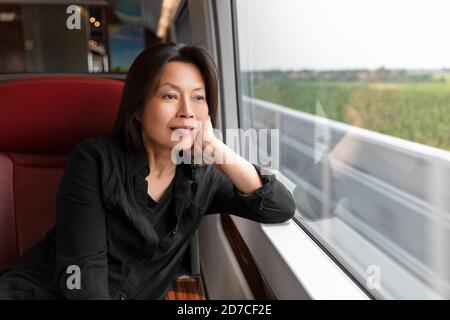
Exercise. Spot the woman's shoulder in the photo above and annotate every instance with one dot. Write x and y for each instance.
(100, 143)
(102, 149)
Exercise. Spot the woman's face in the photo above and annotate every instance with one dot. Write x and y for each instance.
(178, 100)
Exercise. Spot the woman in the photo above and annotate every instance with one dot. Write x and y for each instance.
(127, 207)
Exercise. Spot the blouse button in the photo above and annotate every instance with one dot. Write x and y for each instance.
(172, 234)
(123, 296)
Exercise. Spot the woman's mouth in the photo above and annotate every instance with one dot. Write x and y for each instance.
(182, 131)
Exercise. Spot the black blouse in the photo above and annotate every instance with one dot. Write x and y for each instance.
(161, 214)
(125, 246)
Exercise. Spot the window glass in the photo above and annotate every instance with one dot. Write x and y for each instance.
(360, 94)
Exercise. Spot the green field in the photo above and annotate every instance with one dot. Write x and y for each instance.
(416, 111)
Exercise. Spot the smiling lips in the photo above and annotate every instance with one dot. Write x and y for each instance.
(184, 130)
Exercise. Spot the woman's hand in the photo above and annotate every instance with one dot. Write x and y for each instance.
(205, 142)
(208, 133)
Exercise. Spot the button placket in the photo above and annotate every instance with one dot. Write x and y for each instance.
(143, 260)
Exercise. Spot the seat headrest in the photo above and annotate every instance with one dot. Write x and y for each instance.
(50, 115)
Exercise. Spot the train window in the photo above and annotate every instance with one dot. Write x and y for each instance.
(360, 94)
(92, 37)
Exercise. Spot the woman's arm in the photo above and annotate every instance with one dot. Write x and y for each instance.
(241, 172)
(240, 187)
(81, 246)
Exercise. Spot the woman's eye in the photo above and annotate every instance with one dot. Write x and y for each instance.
(200, 98)
(170, 96)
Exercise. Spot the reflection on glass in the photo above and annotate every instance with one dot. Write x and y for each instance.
(65, 38)
(125, 43)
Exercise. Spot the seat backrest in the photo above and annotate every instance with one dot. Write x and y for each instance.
(41, 120)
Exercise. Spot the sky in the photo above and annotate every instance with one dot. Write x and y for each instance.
(343, 34)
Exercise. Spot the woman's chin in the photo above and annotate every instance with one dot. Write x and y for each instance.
(184, 145)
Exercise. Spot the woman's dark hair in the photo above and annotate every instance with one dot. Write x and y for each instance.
(142, 79)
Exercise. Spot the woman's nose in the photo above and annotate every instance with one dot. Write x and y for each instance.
(185, 109)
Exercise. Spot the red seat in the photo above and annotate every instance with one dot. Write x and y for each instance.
(41, 120)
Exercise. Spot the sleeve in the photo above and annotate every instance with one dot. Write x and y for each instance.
(81, 260)
(271, 203)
